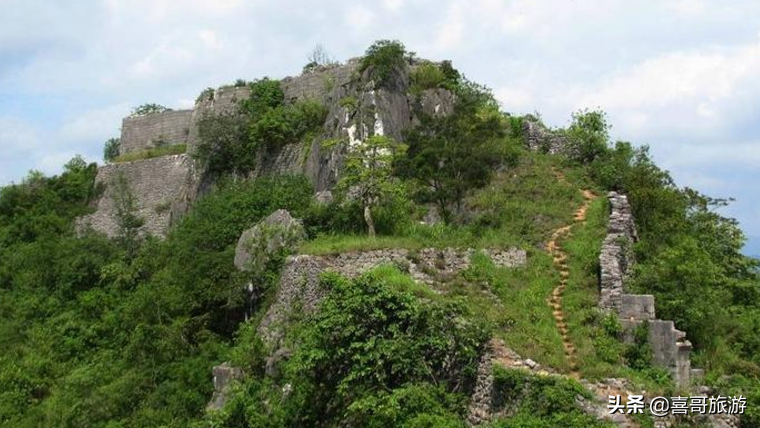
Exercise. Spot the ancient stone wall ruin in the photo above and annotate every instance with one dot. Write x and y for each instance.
(357, 109)
(670, 349)
(539, 138)
(152, 130)
(163, 189)
(299, 282)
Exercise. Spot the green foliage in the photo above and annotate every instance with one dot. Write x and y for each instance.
(206, 95)
(148, 108)
(540, 401)
(588, 134)
(429, 75)
(638, 354)
(231, 141)
(41, 207)
(382, 59)
(158, 151)
(101, 339)
(111, 149)
(225, 146)
(451, 155)
(372, 334)
(265, 94)
(367, 175)
(287, 124)
(125, 209)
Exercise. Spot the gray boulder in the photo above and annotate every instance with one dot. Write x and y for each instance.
(224, 375)
(260, 243)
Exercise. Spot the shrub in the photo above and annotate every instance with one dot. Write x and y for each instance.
(205, 95)
(381, 59)
(430, 75)
(161, 150)
(148, 108)
(111, 149)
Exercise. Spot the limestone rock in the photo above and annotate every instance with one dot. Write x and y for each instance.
(224, 375)
(258, 244)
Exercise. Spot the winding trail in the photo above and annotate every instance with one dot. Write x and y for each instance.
(560, 263)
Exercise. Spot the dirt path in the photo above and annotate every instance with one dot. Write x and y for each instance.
(560, 263)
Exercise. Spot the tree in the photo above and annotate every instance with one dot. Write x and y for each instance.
(368, 174)
(382, 58)
(125, 206)
(588, 134)
(318, 58)
(111, 149)
(452, 154)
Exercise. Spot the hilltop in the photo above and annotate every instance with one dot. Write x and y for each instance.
(369, 243)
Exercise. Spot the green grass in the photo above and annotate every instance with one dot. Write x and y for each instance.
(519, 208)
(599, 355)
(174, 149)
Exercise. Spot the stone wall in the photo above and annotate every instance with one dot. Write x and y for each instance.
(670, 349)
(617, 252)
(163, 187)
(299, 281)
(148, 131)
(539, 138)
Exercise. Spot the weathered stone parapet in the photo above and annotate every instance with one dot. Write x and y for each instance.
(152, 130)
(670, 349)
(617, 252)
(163, 189)
(299, 282)
(539, 138)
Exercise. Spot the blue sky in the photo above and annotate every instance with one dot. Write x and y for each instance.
(679, 75)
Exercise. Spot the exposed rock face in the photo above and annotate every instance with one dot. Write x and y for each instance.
(357, 109)
(224, 375)
(163, 189)
(258, 244)
(299, 290)
(540, 139)
(670, 349)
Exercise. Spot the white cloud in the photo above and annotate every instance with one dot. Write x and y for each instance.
(359, 17)
(98, 124)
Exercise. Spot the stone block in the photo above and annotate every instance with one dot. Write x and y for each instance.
(636, 306)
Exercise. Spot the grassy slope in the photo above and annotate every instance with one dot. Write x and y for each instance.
(521, 207)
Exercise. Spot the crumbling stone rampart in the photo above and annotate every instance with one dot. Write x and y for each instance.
(151, 130)
(539, 138)
(670, 349)
(299, 282)
(163, 189)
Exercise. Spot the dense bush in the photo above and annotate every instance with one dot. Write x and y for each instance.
(111, 149)
(148, 108)
(374, 355)
(451, 155)
(382, 59)
(97, 338)
(231, 141)
(429, 75)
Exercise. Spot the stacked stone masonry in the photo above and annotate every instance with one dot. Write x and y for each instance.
(299, 282)
(538, 138)
(670, 349)
(163, 189)
(148, 131)
(357, 109)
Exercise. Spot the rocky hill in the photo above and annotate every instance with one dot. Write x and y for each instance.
(373, 243)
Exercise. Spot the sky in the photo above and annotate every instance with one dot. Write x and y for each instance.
(682, 76)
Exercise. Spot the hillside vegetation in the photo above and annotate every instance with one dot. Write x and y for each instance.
(124, 332)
